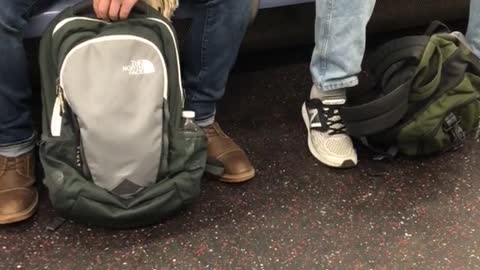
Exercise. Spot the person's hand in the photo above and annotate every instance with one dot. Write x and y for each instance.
(113, 9)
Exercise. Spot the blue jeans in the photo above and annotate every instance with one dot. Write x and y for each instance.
(473, 31)
(217, 30)
(16, 131)
(340, 28)
(212, 46)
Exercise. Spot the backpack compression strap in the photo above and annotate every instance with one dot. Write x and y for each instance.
(393, 68)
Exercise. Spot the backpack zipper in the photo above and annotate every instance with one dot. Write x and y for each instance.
(58, 111)
(477, 134)
(174, 38)
(79, 152)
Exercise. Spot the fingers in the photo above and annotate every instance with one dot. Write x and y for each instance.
(126, 7)
(114, 10)
(102, 8)
(95, 6)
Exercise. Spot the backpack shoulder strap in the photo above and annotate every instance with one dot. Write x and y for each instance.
(392, 66)
(406, 48)
(437, 27)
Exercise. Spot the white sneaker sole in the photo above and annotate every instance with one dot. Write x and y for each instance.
(322, 157)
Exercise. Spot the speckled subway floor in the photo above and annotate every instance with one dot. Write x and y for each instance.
(296, 213)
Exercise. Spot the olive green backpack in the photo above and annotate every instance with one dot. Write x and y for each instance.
(425, 99)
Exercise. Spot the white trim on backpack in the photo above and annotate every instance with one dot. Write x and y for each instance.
(71, 19)
(178, 57)
(56, 120)
(112, 38)
(64, 22)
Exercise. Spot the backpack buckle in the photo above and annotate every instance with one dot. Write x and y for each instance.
(452, 126)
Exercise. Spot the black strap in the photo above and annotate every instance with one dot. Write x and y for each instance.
(380, 154)
(437, 27)
(215, 167)
(55, 223)
(393, 66)
(377, 121)
(380, 105)
(402, 49)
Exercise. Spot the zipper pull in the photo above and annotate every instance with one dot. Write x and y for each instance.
(477, 134)
(61, 95)
(58, 111)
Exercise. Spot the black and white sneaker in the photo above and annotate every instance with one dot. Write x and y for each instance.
(327, 137)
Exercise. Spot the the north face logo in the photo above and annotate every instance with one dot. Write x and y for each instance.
(139, 67)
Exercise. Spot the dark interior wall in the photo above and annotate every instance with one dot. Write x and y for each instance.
(398, 14)
(287, 26)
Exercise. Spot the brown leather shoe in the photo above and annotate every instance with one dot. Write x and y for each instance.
(18, 195)
(223, 149)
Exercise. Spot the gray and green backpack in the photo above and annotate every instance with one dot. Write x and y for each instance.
(113, 149)
(425, 98)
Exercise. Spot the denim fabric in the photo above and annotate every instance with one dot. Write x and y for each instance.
(217, 30)
(15, 119)
(340, 33)
(473, 32)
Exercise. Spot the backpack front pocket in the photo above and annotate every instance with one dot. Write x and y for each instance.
(116, 85)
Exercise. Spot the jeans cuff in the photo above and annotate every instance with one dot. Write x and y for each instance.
(203, 110)
(19, 148)
(338, 84)
(205, 122)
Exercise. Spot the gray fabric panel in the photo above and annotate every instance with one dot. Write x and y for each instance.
(116, 89)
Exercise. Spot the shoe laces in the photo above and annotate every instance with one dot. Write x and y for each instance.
(330, 118)
(334, 121)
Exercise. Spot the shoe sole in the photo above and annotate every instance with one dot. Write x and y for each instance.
(334, 163)
(18, 217)
(236, 178)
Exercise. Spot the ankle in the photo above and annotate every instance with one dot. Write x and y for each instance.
(322, 95)
(16, 150)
